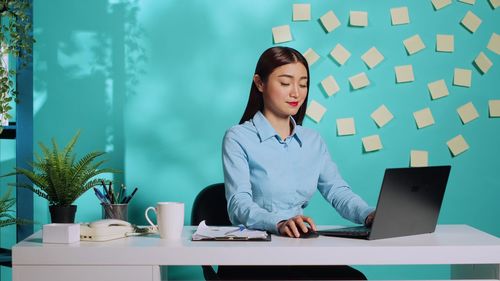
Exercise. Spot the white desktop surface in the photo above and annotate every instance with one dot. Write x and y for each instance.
(450, 244)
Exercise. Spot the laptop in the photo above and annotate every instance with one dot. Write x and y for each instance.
(408, 204)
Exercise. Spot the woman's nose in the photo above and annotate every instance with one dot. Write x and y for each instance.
(294, 93)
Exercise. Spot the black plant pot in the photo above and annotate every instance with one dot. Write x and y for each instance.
(62, 214)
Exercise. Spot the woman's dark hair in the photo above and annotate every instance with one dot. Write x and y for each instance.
(271, 59)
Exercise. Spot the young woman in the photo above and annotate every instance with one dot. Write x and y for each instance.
(273, 165)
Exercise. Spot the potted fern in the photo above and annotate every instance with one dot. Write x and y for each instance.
(60, 179)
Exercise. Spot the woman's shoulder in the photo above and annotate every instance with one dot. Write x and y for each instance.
(308, 133)
(241, 131)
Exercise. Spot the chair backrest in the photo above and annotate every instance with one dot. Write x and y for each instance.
(211, 205)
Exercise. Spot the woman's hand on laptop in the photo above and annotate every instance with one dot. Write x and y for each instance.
(291, 226)
(369, 219)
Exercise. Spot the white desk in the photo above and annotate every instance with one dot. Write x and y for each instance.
(471, 253)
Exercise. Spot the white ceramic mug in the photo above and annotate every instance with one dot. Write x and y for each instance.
(170, 217)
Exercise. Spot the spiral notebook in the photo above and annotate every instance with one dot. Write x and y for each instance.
(228, 233)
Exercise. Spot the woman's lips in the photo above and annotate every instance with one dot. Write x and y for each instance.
(293, 103)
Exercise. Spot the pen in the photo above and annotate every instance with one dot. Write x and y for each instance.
(240, 228)
(105, 191)
(100, 196)
(131, 195)
(119, 195)
(111, 192)
(124, 195)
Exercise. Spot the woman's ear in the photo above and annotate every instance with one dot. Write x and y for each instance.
(258, 83)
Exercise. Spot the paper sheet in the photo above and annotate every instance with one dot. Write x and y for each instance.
(301, 12)
(494, 108)
(330, 21)
(372, 143)
(404, 73)
(400, 16)
(457, 145)
(495, 3)
(419, 158)
(359, 81)
(311, 56)
(203, 231)
(470, 2)
(471, 22)
(445, 43)
(467, 112)
(358, 18)
(462, 77)
(423, 118)
(438, 89)
(282, 34)
(315, 111)
(346, 126)
(494, 43)
(439, 4)
(382, 116)
(372, 57)
(483, 62)
(330, 85)
(340, 54)
(414, 44)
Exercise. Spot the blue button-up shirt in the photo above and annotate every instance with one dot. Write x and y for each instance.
(268, 179)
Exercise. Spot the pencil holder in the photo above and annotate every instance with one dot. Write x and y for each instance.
(115, 211)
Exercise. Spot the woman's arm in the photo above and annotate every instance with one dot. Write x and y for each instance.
(338, 193)
(241, 207)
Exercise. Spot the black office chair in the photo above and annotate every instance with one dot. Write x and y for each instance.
(210, 205)
(5, 257)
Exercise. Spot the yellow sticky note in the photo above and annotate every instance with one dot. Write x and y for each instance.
(470, 2)
(346, 126)
(457, 145)
(311, 56)
(404, 73)
(483, 62)
(414, 44)
(330, 85)
(282, 34)
(329, 21)
(495, 3)
(423, 118)
(494, 43)
(301, 12)
(439, 4)
(372, 143)
(358, 18)
(471, 21)
(462, 77)
(445, 43)
(315, 111)
(372, 57)
(494, 108)
(340, 54)
(419, 158)
(400, 16)
(359, 81)
(382, 116)
(438, 89)
(467, 112)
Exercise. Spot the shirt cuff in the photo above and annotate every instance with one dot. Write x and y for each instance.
(365, 213)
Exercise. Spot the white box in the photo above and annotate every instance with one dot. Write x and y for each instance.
(61, 233)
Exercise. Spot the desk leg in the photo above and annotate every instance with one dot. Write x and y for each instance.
(468, 271)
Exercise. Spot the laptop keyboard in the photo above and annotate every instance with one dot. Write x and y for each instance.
(356, 231)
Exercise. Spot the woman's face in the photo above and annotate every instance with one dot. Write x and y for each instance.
(284, 91)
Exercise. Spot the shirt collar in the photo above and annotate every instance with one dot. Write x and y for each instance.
(266, 131)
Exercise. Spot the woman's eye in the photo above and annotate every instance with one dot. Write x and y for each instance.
(303, 86)
(285, 84)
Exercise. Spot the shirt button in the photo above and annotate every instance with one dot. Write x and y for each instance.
(285, 145)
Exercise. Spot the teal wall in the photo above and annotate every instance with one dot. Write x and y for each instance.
(156, 84)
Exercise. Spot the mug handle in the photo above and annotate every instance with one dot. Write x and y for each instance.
(147, 218)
